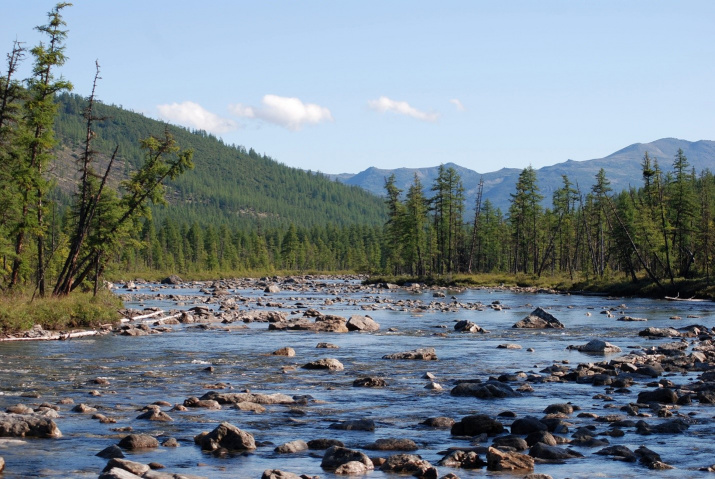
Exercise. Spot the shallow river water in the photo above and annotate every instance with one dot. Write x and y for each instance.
(171, 367)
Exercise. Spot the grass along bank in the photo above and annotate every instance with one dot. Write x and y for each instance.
(616, 285)
(77, 310)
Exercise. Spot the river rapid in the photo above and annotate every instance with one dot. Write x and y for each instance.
(118, 375)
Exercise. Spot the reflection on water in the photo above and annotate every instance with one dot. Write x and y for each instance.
(172, 367)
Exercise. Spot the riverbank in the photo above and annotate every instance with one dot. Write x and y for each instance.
(20, 312)
(643, 288)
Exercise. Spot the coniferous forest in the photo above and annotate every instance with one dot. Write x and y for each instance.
(88, 189)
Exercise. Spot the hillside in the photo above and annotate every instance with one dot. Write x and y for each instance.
(228, 183)
(623, 169)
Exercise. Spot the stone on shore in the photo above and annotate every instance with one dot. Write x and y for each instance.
(539, 319)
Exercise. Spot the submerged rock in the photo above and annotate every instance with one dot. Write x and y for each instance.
(427, 354)
(392, 444)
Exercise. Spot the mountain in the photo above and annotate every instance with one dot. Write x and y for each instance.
(623, 169)
(228, 183)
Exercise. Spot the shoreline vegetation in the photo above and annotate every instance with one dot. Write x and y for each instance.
(20, 312)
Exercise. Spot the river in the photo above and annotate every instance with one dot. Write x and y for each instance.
(172, 366)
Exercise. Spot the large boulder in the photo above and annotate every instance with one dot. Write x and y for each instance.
(596, 346)
(27, 425)
(336, 456)
(487, 390)
(539, 319)
(476, 425)
(369, 382)
(226, 436)
(362, 323)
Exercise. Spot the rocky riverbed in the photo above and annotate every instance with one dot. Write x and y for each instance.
(322, 376)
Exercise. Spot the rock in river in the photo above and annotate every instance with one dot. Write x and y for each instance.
(508, 461)
(326, 363)
(427, 354)
(30, 425)
(477, 424)
(596, 346)
(226, 436)
(362, 323)
(138, 441)
(539, 319)
(336, 456)
(487, 390)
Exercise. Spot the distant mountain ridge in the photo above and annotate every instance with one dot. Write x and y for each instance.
(623, 169)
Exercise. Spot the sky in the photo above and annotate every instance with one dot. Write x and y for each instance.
(340, 86)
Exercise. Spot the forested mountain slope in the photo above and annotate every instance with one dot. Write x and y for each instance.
(623, 169)
(228, 185)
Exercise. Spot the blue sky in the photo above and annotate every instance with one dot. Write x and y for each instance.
(338, 86)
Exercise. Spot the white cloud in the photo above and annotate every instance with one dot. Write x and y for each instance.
(289, 113)
(384, 104)
(192, 114)
(457, 104)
